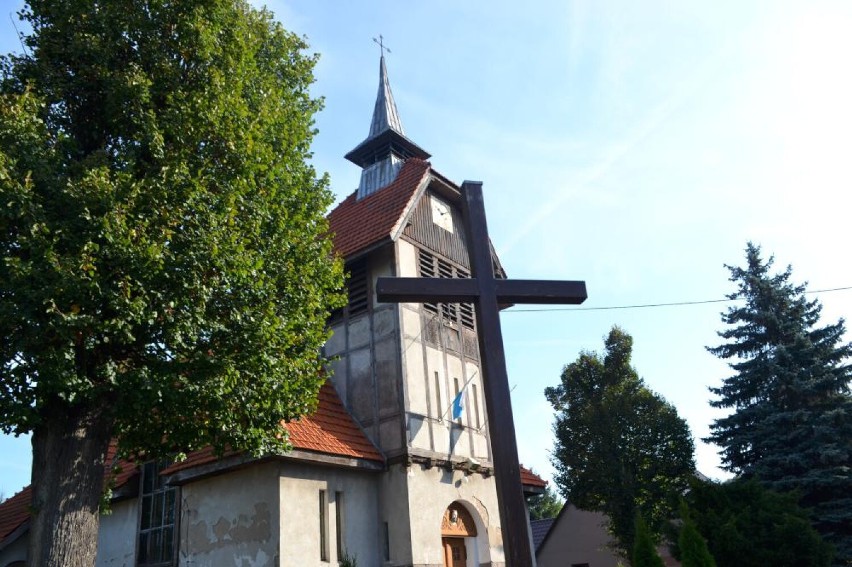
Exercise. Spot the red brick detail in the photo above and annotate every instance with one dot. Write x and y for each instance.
(356, 225)
(529, 478)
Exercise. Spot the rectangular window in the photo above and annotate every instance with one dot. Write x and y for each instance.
(456, 382)
(475, 396)
(386, 538)
(338, 523)
(323, 526)
(439, 409)
(156, 545)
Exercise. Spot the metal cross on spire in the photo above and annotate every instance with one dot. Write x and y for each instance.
(381, 42)
(487, 293)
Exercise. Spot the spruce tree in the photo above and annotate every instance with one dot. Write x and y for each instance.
(791, 425)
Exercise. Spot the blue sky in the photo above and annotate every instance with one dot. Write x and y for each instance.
(637, 146)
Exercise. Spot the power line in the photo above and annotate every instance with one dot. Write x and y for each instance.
(647, 305)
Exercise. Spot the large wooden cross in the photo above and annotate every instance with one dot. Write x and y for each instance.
(486, 293)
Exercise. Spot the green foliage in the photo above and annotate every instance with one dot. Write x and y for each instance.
(692, 547)
(644, 551)
(547, 505)
(347, 560)
(620, 448)
(161, 233)
(747, 525)
(791, 425)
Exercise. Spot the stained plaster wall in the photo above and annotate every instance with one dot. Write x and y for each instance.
(231, 519)
(117, 535)
(395, 509)
(431, 491)
(299, 486)
(366, 372)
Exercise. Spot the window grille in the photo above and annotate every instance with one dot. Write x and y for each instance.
(157, 522)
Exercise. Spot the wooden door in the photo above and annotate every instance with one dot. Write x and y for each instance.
(455, 554)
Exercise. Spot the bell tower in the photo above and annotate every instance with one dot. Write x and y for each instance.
(410, 373)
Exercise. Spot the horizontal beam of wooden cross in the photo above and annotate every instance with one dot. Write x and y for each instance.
(487, 295)
(456, 290)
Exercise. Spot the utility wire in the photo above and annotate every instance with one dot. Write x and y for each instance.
(646, 305)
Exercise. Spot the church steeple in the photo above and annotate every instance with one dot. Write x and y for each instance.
(385, 115)
(382, 154)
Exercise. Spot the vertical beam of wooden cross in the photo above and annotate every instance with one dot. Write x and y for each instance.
(486, 293)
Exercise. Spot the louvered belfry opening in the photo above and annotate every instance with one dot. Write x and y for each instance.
(357, 291)
(358, 288)
(432, 266)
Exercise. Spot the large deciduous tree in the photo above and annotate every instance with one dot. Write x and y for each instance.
(164, 277)
(620, 448)
(791, 425)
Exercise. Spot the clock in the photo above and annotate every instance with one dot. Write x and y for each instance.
(441, 214)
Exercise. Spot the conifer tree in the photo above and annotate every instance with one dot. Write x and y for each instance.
(693, 548)
(746, 525)
(791, 425)
(644, 552)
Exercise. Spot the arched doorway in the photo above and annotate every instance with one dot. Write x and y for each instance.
(456, 525)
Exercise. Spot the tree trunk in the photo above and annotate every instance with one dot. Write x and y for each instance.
(67, 481)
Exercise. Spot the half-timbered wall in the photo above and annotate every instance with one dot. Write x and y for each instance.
(366, 370)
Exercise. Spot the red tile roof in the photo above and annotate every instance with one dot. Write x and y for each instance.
(14, 512)
(357, 225)
(330, 430)
(529, 478)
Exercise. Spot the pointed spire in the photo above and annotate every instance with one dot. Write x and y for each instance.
(382, 154)
(385, 115)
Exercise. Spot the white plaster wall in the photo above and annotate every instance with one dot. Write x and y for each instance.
(395, 508)
(16, 551)
(431, 491)
(231, 519)
(299, 530)
(416, 382)
(406, 259)
(116, 538)
(117, 535)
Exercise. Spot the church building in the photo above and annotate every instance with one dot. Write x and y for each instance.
(389, 471)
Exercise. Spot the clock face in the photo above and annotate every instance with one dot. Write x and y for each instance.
(441, 214)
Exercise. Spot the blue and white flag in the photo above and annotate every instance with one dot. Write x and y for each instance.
(458, 404)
